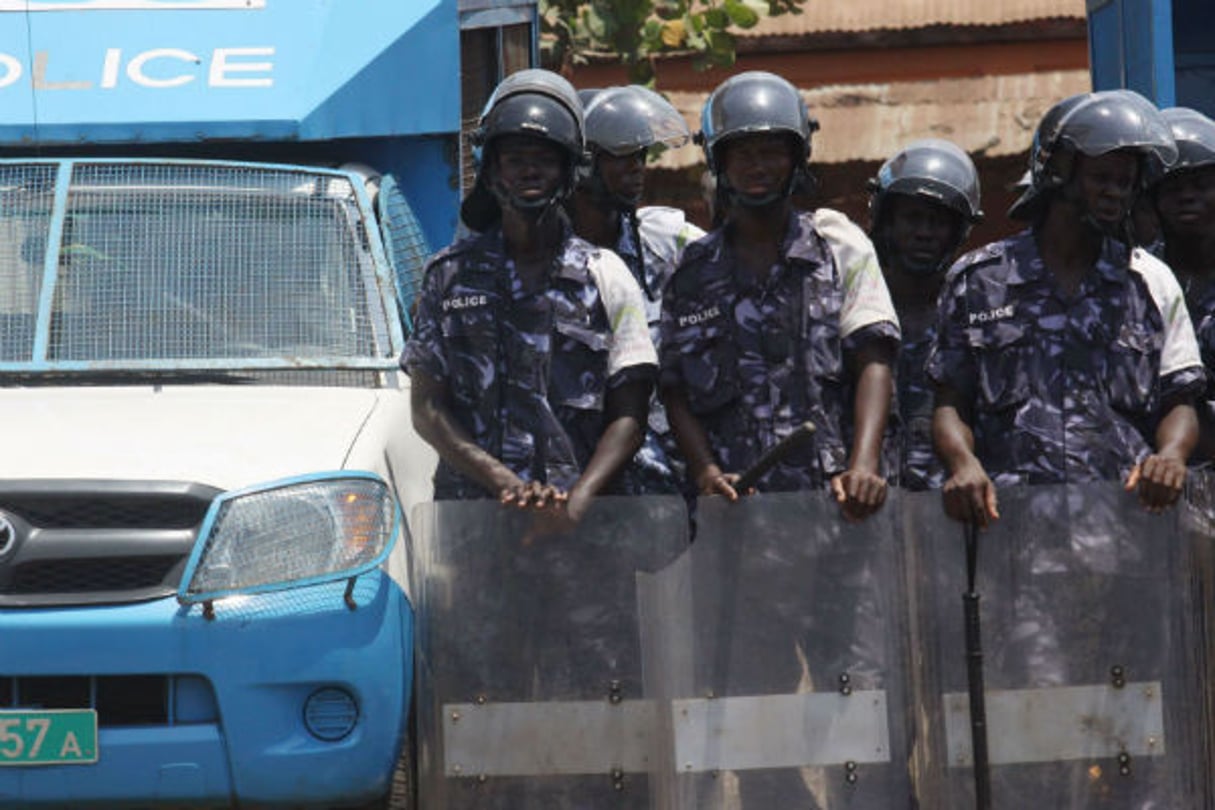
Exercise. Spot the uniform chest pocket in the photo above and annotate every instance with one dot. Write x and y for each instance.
(472, 351)
(1007, 361)
(578, 377)
(1132, 368)
(708, 362)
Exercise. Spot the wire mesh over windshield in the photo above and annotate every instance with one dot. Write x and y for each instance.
(192, 262)
(27, 193)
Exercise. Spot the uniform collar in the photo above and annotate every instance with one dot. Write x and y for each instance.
(625, 246)
(1024, 263)
(800, 242)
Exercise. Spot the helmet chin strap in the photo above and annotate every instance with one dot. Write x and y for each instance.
(536, 211)
(756, 201)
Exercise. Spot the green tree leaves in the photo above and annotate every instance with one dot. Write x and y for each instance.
(638, 30)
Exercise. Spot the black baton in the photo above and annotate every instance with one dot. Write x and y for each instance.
(750, 477)
(974, 675)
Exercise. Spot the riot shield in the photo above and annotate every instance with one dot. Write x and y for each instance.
(1090, 656)
(779, 651)
(529, 654)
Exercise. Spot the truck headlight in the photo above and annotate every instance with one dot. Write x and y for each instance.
(285, 534)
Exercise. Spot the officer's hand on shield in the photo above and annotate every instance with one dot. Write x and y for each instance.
(533, 494)
(712, 481)
(1159, 480)
(970, 496)
(859, 493)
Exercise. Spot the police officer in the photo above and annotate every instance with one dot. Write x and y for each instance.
(531, 363)
(925, 199)
(1185, 207)
(623, 126)
(1062, 353)
(776, 315)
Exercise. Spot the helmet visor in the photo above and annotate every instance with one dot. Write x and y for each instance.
(1119, 119)
(622, 120)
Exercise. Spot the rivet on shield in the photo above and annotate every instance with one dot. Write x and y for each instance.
(455, 717)
(850, 776)
(617, 779)
(1117, 676)
(614, 695)
(1124, 764)
(845, 684)
(481, 700)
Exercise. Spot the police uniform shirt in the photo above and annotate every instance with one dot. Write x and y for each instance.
(755, 360)
(527, 371)
(652, 254)
(1063, 389)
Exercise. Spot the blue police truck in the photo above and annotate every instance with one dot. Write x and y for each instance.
(1163, 49)
(212, 217)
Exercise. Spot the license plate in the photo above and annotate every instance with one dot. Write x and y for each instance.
(53, 737)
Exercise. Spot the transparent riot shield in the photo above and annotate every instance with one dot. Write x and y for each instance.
(778, 647)
(529, 654)
(1090, 657)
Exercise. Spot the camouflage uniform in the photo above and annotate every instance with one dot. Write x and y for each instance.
(663, 233)
(757, 360)
(1063, 390)
(918, 466)
(527, 371)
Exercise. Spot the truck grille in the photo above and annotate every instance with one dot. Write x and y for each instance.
(96, 542)
(119, 700)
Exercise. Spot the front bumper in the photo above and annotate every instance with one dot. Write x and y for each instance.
(233, 729)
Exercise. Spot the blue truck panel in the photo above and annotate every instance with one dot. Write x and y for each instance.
(261, 657)
(273, 71)
(1160, 48)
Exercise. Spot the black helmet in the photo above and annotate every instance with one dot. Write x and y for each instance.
(755, 102)
(932, 169)
(622, 121)
(586, 95)
(935, 169)
(1094, 124)
(1194, 134)
(533, 102)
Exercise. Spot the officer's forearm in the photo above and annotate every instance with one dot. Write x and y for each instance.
(625, 410)
(871, 409)
(1177, 433)
(433, 422)
(689, 435)
(952, 437)
(619, 442)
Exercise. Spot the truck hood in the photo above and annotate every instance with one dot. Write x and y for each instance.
(227, 437)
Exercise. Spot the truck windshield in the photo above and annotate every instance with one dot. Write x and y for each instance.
(145, 266)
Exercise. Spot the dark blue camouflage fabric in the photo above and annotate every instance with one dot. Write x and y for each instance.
(527, 371)
(1063, 389)
(755, 361)
(918, 465)
(651, 252)
(1201, 306)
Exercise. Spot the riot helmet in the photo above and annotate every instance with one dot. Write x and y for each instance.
(1181, 200)
(751, 103)
(586, 95)
(1194, 134)
(535, 103)
(1094, 124)
(622, 121)
(933, 170)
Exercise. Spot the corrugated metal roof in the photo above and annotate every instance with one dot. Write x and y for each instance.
(995, 115)
(819, 16)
